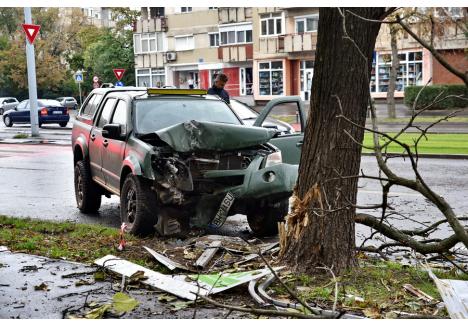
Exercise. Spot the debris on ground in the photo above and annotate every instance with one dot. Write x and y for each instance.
(208, 254)
(418, 293)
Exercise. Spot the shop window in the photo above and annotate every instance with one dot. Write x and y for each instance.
(271, 24)
(270, 78)
(409, 71)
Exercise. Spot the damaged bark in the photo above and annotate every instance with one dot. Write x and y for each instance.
(320, 231)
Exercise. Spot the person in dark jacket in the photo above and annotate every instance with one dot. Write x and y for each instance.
(218, 87)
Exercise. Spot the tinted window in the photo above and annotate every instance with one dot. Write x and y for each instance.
(106, 112)
(154, 114)
(48, 103)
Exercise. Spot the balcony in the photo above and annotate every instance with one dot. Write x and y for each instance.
(151, 25)
(235, 53)
(288, 43)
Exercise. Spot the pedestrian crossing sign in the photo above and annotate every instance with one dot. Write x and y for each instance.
(78, 78)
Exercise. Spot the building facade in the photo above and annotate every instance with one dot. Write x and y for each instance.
(268, 52)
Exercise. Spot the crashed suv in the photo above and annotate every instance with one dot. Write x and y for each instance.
(178, 159)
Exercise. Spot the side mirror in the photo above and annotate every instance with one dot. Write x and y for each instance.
(112, 131)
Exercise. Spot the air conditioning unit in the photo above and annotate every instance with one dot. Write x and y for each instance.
(171, 56)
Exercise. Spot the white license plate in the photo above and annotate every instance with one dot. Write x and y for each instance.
(57, 112)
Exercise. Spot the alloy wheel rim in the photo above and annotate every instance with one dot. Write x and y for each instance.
(131, 207)
(79, 185)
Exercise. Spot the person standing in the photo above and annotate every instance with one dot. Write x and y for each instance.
(190, 83)
(218, 88)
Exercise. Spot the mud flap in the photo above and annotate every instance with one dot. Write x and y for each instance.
(223, 211)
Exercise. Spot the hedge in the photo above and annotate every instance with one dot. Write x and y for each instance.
(431, 92)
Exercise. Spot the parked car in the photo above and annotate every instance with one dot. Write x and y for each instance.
(179, 158)
(68, 102)
(7, 103)
(49, 111)
(249, 115)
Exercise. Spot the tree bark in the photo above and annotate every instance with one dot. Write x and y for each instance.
(320, 229)
(393, 74)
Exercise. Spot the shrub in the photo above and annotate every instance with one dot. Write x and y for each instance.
(430, 93)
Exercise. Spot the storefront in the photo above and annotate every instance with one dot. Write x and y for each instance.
(306, 74)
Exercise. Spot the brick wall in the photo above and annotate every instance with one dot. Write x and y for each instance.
(456, 58)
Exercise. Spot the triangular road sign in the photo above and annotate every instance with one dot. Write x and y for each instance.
(31, 31)
(119, 73)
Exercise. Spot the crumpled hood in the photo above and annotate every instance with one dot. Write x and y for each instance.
(214, 136)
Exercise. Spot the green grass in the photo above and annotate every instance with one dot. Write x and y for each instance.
(422, 119)
(20, 136)
(435, 143)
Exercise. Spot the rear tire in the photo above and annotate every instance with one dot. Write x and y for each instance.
(138, 206)
(87, 192)
(63, 124)
(1, 111)
(7, 121)
(263, 221)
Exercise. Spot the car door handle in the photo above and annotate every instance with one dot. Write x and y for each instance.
(105, 142)
(93, 137)
(299, 143)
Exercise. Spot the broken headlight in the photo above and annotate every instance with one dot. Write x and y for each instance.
(273, 159)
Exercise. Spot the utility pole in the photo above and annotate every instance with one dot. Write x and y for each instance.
(31, 79)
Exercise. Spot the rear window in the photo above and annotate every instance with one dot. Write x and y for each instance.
(155, 114)
(92, 105)
(48, 103)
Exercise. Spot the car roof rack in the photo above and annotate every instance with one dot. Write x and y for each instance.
(176, 91)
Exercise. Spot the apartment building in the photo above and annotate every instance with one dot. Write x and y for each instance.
(285, 41)
(417, 65)
(99, 16)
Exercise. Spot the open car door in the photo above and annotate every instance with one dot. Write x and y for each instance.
(287, 115)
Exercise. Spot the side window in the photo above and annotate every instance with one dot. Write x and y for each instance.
(106, 112)
(87, 108)
(120, 115)
(21, 106)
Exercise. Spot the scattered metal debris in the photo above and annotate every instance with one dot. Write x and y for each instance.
(169, 263)
(208, 254)
(455, 295)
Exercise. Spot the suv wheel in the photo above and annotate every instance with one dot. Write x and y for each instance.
(264, 220)
(87, 192)
(7, 121)
(63, 124)
(138, 206)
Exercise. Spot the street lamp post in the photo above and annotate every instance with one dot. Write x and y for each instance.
(31, 79)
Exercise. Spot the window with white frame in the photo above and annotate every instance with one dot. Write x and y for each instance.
(270, 76)
(148, 42)
(214, 39)
(185, 9)
(235, 34)
(153, 77)
(271, 24)
(183, 43)
(307, 24)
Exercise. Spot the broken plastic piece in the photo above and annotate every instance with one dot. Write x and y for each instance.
(208, 254)
(169, 263)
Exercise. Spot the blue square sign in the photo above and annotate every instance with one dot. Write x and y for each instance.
(78, 78)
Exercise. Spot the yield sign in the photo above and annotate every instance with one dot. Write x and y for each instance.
(119, 73)
(31, 31)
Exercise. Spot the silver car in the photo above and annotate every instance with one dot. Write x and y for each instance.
(68, 102)
(7, 103)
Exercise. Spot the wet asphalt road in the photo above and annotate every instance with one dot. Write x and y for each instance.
(37, 182)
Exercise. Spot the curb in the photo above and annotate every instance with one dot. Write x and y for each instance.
(441, 156)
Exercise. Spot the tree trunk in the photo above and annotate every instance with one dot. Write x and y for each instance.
(393, 74)
(320, 230)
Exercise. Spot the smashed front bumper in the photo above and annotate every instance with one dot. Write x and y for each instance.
(259, 183)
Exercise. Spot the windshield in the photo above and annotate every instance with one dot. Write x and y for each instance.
(48, 103)
(243, 111)
(155, 113)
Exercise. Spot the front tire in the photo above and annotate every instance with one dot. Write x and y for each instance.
(263, 221)
(138, 206)
(7, 121)
(87, 192)
(63, 124)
